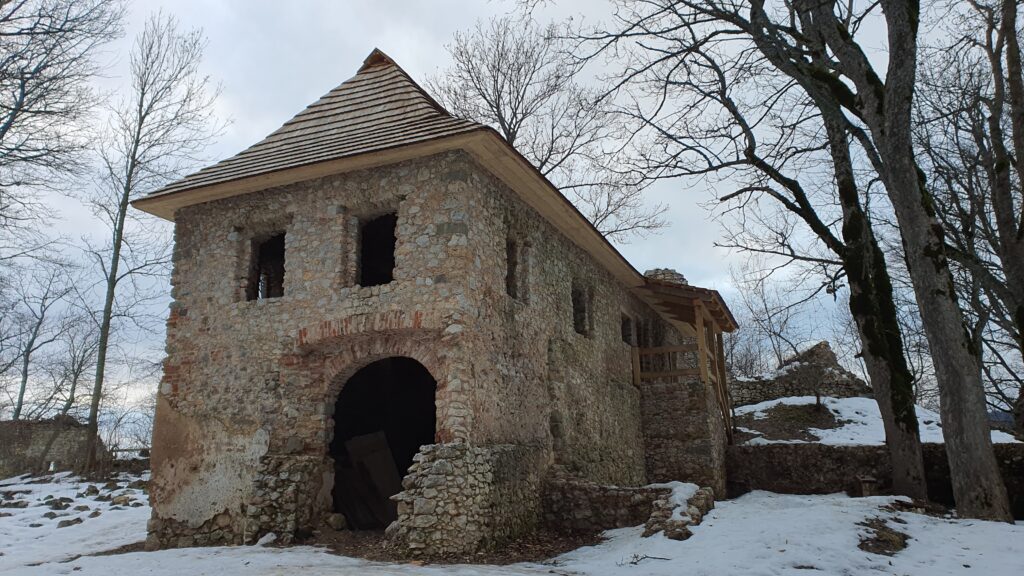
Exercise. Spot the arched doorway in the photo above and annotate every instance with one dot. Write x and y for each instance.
(383, 414)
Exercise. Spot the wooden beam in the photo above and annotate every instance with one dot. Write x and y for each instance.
(670, 373)
(663, 349)
(635, 355)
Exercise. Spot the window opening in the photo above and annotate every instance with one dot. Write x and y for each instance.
(266, 274)
(512, 268)
(581, 310)
(627, 329)
(377, 250)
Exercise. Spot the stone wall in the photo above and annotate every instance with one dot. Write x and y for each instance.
(245, 407)
(577, 505)
(822, 469)
(63, 441)
(684, 434)
(813, 371)
(459, 498)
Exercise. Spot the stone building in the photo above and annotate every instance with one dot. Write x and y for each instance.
(386, 312)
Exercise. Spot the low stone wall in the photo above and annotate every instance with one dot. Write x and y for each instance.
(576, 505)
(63, 441)
(458, 499)
(822, 469)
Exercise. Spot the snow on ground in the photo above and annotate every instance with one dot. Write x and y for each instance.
(29, 535)
(759, 534)
(860, 418)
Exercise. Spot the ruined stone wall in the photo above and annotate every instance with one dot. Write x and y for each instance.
(813, 371)
(823, 469)
(459, 498)
(576, 505)
(31, 445)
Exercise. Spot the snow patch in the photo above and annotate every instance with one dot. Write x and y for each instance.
(679, 498)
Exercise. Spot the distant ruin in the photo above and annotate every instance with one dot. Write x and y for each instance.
(814, 371)
(37, 445)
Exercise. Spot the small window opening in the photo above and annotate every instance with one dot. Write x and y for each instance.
(581, 320)
(512, 268)
(627, 329)
(377, 250)
(266, 274)
(642, 339)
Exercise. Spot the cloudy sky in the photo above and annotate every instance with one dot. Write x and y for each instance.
(274, 58)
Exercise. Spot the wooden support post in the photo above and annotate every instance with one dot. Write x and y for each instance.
(635, 353)
(723, 384)
(702, 342)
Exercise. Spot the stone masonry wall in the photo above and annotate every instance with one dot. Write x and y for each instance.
(249, 386)
(822, 469)
(23, 444)
(576, 505)
(540, 380)
(684, 434)
(459, 498)
(245, 407)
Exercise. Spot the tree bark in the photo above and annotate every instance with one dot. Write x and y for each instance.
(874, 310)
(105, 321)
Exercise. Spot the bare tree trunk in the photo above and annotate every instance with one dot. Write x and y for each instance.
(158, 130)
(26, 359)
(874, 310)
(105, 320)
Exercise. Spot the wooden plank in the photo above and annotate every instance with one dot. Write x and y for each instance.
(702, 360)
(663, 349)
(670, 373)
(726, 401)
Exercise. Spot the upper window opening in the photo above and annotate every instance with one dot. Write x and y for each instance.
(512, 268)
(627, 329)
(266, 274)
(642, 335)
(377, 250)
(582, 322)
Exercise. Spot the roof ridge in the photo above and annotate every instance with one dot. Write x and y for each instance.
(378, 58)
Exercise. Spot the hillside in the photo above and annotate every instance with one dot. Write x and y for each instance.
(838, 422)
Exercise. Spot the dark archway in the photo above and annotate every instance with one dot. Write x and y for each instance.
(383, 414)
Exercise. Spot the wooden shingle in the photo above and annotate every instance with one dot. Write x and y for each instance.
(380, 107)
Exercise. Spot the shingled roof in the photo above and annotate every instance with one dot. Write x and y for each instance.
(382, 116)
(380, 107)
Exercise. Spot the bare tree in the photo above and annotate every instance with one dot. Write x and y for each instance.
(48, 51)
(40, 296)
(813, 45)
(514, 75)
(970, 131)
(719, 108)
(772, 317)
(155, 134)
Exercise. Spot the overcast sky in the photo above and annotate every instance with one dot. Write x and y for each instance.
(274, 58)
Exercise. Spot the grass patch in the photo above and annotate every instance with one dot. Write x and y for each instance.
(788, 422)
